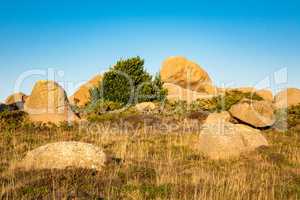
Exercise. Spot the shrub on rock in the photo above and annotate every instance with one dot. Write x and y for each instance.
(226, 101)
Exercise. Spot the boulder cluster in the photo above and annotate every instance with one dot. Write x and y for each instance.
(220, 137)
(223, 135)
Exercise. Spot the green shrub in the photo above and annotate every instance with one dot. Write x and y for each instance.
(128, 82)
(11, 120)
(293, 116)
(110, 116)
(287, 117)
(225, 102)
(101, 107)
(175, 108)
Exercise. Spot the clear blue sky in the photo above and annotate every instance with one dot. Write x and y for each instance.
(238, 42)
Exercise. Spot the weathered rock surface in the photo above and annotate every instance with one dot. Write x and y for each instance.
(16, 98)
(189, 75)
(145, 106)
(288, 97)
(48, 103)
(258, 114)
(267, 95)
(240, 89)
(177, 93)
(226, 140)
(82, 96)
(62, 155)
(218, 117)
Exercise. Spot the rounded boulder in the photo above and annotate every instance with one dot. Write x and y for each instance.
(62, 155)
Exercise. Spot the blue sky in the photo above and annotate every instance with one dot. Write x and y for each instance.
(239, 43)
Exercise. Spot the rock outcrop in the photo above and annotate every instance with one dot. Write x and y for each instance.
(16, 100)
(177, 93)
(189, 75)
(218, 117)
(259, 114)
(145, 106)
(288, 97)
(267, 95)
(62, 155)
(226, 140)
(82, 96)
(48, 103)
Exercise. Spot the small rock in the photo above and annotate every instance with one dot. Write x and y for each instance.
(145, 107)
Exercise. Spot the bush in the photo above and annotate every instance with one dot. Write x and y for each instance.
(110, 116)
(11, 120)
(287, 117)
(225, 102)
(128, 82)
(101, 107)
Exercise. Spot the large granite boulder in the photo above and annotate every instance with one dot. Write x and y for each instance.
(267, 95)
(226, 140)
(218, 117)
(178, 93)
(82, 96)
(259, 114)
(288, 97)
(187, 74)
(48, 103)
(62, 155)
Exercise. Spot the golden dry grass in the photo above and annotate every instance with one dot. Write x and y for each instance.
(152, 166)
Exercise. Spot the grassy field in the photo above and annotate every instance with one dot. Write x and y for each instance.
(152, 165)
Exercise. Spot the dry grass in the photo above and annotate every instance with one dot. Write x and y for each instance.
(152, 166)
